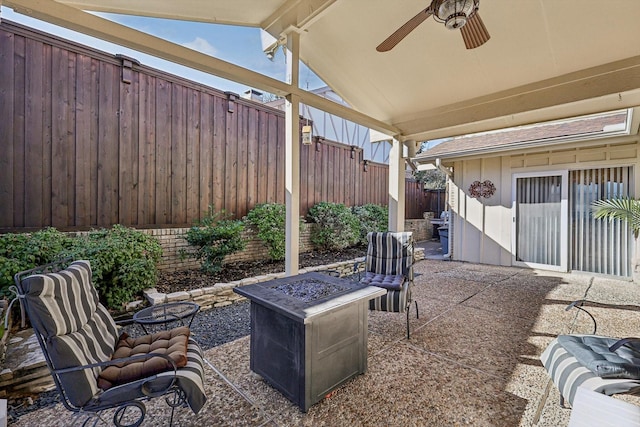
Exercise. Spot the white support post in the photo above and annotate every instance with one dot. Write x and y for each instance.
(292, 158)
(396, 186)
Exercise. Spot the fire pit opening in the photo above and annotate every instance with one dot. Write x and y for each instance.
(308, 290)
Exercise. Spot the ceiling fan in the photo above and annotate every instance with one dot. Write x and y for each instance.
(454, 14)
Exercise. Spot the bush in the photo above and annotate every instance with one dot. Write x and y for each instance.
(23, 251)
(215, 237)
(337, 227)
(269, 219)
(123, 261)
(372, 218)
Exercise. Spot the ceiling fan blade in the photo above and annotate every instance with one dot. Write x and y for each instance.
(474, 33)
(404, 31)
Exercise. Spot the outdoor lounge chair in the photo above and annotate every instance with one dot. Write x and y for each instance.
(94, 367)
(602, 364)
(389, 265)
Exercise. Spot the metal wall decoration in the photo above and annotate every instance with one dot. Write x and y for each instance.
(484, 189)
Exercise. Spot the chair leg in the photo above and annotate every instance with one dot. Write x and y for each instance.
(408, 323)
(408, 310)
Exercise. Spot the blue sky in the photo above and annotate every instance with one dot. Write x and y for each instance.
(238, 45)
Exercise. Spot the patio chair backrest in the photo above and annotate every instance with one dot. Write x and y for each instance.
(390, 253)
(76, 329)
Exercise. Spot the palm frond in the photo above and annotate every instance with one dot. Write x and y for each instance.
(623, 208)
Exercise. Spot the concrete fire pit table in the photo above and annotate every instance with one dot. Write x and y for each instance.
(308, 333)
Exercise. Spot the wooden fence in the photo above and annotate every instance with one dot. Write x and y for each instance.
(89, 139)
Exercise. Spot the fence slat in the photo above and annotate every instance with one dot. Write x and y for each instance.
(6, 128)
(205, 195)
(193, 153)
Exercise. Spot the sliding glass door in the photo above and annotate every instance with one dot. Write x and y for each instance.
(599, 246)
(554, 228)
(540, 220)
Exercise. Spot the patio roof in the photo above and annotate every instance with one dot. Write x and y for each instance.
(545, 59)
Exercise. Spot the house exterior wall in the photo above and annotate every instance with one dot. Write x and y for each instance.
(482, 228)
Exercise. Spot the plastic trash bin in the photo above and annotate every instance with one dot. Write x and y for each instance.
(444, 238)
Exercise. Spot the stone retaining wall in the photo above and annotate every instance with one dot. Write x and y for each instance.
(24, 371)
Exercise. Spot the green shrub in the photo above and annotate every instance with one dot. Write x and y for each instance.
(269, 219)
(215, 237)
(123, 261)
(23, 251)
(337, 227)
(372, 218)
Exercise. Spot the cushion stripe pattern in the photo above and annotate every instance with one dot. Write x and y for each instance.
(390, 253)
(62, 302)
(568, 374)
(77, 329)
(395, 301)
(389, 264)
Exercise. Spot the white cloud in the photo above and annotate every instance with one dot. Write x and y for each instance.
(201, 45)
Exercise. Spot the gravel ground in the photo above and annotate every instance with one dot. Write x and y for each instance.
(218, 326)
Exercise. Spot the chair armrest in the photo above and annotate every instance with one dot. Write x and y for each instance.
(578, 304)
(140, 357)
(622, 342)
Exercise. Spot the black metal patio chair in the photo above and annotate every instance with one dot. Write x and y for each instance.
(389, 265)
(94, 367)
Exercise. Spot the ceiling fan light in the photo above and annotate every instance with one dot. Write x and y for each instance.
(455, 13)
(455, 21)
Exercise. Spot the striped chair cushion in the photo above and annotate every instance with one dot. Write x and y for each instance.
(567, 373)
(78, 330)
(390, 253)
(593, 353)
(395, 301)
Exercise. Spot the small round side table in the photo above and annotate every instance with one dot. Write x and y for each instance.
(164, 314)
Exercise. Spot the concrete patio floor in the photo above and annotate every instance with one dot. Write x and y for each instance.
(473, 357)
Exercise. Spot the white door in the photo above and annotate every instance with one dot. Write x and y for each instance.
(540, 223)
